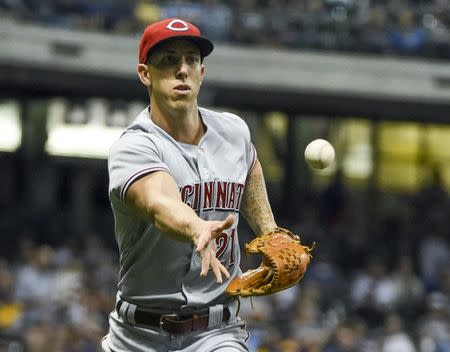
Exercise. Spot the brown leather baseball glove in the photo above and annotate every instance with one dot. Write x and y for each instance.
(284, 263)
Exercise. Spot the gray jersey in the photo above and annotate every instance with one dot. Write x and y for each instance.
(157, 271)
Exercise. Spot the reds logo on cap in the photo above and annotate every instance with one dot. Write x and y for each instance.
(160, 32)
(172, 25)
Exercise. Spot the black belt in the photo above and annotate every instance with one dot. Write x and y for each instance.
(180, 323)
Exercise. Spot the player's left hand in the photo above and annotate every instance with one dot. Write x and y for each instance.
(285, 261)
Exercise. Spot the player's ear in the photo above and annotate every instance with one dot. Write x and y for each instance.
(144, 74)
(202, 72)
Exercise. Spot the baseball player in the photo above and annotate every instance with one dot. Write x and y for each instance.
(179, 177)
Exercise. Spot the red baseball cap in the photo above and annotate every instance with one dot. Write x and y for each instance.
(160, 32)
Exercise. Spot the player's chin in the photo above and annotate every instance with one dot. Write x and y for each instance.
(183, 102)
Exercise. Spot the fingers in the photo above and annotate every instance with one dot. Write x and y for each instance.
(227, 223)
(208, 256)
(202, 242)
(209, 260)
(213, 229)
(206, 259)
(216, 272)
(218, 269)
(222, 270)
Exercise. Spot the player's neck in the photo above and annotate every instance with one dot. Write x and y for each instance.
(183, 126)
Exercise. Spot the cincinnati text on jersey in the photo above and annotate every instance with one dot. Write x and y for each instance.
(213, 195)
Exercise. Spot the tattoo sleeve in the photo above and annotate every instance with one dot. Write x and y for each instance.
(255, 203)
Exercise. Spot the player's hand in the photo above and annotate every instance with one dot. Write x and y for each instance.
(210, 230)
(209, 260)
(206, 246)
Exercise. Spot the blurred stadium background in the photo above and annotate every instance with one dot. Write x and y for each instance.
(371, 76)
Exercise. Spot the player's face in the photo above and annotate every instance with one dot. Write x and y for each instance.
(176, 73)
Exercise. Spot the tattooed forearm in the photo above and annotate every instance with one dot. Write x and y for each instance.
(255, 203)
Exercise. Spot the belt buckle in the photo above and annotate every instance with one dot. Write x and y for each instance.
(166, 316)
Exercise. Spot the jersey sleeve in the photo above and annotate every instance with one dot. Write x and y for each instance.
(134, 155)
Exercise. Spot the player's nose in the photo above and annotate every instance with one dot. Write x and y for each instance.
(182, 69)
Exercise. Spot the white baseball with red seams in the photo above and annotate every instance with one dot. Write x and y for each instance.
(319, 154)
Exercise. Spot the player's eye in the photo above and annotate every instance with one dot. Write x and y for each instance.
(170, 60)
(192, 59)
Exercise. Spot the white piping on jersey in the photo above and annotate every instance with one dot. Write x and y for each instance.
(137, 175)
(252, 166)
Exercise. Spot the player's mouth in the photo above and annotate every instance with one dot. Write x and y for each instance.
(182, 89)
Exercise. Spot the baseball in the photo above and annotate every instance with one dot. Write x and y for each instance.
(319, 154)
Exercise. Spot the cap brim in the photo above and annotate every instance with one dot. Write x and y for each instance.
(205, 45)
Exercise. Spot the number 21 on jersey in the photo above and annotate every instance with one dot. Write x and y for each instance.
(223, 241)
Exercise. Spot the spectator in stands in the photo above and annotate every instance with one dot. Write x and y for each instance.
(188, 10)
(434, 327)
(257, 313)
(434, 254)
(326, 276)
(35, 286)
(346, 338)
(307, 325)
(283, 307)
(399, 291)
(408, 289)
(311, 22)
(373, 36)
(249, 23)
(216, 20)
(366, 292)
(396, 339)
(10, 309)
(41, 337)
(407, 37)
(288, 345)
